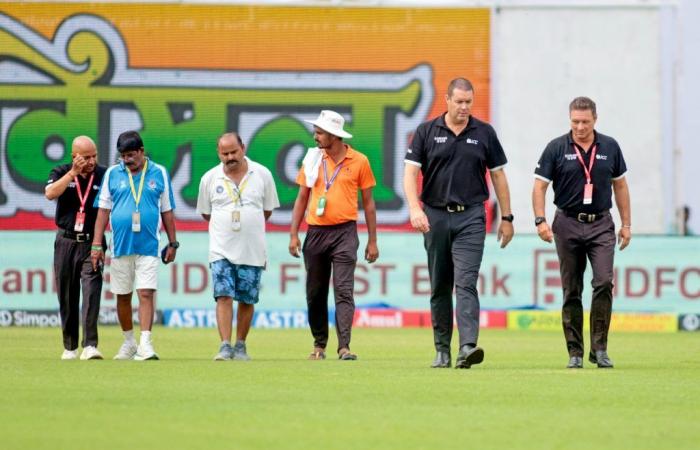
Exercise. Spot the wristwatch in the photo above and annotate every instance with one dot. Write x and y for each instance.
(539, 220)
(174, 244)
(508, 218)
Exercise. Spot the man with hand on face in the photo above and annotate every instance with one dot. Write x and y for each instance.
(135, 196)
(453, 152)
(329, 180)
(584, 167)
(74, 187)
(236, 197)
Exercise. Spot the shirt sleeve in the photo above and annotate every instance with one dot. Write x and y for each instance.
(620, 167)
(167, 199)
(495, 156)
(301, 176)
(416, 150)
(545, 166)
(367, 179)
(271, 200)
(104, 198)
(203, 197)
(56, 174)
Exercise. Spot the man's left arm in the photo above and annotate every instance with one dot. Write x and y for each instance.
(622, 199)
(500, 185)
(372, 251)
(169, 225)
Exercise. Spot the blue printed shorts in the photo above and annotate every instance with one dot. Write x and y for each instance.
(238, 281)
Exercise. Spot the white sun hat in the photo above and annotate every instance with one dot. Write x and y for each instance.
(332, 122)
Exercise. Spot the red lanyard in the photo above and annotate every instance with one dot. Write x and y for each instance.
(328, 182)
(588, 169)
(81, 197)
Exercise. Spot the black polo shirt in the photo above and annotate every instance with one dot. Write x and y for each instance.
(560, 165)
(68, 204)
(454, 167)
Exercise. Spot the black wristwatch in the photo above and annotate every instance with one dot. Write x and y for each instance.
(508, 218)
(174, 244)
(539, 220)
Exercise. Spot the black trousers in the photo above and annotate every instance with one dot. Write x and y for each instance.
(575, 243)
(455, 247)
(326, 249)
(73, 271)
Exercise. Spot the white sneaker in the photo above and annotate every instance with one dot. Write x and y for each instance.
(126, 351)
(145, 352)
(90, 352)
(69, 354)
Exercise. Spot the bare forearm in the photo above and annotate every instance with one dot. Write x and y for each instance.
(58, 187)
(622, 199)
(298, 212)
(539, 192)
(169, 225)
(100, 226)
(500, 185)
(410, 185)
(371, 220)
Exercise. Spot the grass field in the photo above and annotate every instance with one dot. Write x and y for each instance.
(520, 398)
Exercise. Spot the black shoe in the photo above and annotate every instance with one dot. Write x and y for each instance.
(469, 356)
(575, 362)
(601, 358)
(442, 360)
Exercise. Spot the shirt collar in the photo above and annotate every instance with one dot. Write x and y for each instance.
(471, 122)
(570, 139)
(349, 152)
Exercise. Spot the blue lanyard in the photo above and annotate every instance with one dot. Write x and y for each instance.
(329, 183)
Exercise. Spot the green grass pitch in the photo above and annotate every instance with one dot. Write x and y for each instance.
(522, 397)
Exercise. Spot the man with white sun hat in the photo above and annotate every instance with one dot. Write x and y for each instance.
(329, 180)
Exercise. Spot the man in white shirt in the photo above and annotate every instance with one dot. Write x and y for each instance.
(236, 197)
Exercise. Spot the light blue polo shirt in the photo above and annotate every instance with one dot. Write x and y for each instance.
(156, 198)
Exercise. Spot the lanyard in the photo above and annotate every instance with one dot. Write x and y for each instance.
(335, 174)
(137, 197)
(81, 197)
(587, 170)
(239, 189)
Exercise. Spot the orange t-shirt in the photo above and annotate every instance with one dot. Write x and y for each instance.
(341, 198)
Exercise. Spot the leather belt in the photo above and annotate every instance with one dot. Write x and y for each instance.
(78, 237)
(585, 217)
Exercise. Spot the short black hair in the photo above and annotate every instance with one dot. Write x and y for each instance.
(128, 141)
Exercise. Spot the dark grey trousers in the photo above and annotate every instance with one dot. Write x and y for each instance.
(73, 270)
(455, 246)
(331, 248)
(575, 242)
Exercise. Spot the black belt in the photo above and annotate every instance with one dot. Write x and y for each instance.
(584, 217)
(78, 237)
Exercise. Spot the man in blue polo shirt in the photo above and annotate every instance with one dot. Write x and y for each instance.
(134, 197)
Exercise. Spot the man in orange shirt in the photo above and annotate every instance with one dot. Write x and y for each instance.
(328, 183)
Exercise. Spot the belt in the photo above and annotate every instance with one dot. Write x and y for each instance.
(78, 237)
(585, 217)
(454, 207)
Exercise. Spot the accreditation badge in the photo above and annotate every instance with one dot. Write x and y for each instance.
(79, 222)
(321, 206)
(587, 193)
(236, 220)
(136, 222)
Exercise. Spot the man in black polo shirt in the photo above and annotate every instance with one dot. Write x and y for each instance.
(583, 165)
(453, 152)
(75, 186)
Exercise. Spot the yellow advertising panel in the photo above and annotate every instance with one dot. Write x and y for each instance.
(551, 321)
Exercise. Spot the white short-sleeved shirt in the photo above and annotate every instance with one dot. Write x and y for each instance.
(246, 246)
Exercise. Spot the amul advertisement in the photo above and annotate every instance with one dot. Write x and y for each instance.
(183, 74)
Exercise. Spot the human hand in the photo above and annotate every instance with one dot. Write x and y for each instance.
(371, 252)
(545, 232)
(505, 232)
(97, 258)
(295, 246)
(419, 220)
(624, 236)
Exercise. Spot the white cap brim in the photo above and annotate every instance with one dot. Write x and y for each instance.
(339, 133)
